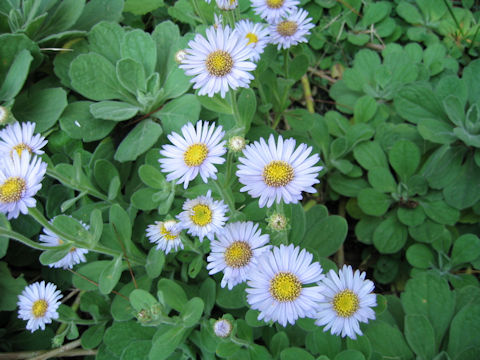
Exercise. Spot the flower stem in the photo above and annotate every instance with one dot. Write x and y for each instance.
(307, 91)
(226, 196)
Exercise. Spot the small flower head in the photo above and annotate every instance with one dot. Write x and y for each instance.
(222, 328)
(166, 234)
(18, 137)
(277, 222)
(291, 29)
(257, 35)
(20, 180)
(236, 143)
(180, 56)
(4, 115)
(227, 4)
(38, 303)
(348, 301)
(272, 10)
(219, 62)
(203, 216)
(277, 285)
(278, 171)
(194, 152)
(74, 256)
(236, 251)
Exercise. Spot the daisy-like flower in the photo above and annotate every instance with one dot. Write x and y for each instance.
(236, 251)
(18, 137)
(278, 171)
(75, 255)
(257, 35)
(276, 285)
(219, 62)
(203, 216)
(227, 4)
(272, 10)
(166, 234)
(222, 328)
(291, 29)
(38, 303)
(348, 301)
(196, 152)
(20, 179)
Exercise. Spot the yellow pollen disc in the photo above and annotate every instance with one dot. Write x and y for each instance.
(19, 148)
(195, 154)
(39, 308)
(12, 189)
(238, 254)
(167, 234)
(277, 173)
(287, 28)
(275, 4)
(252, 38)
(202, 215)
(72, 250)
(219, 63)
(285, 287)
(345, 303)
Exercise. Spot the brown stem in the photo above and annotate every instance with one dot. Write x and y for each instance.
(126, 257)
(144, 116)
(378, 47)
(58, 351)
(322, 75)
(350, 7)
(96, 284)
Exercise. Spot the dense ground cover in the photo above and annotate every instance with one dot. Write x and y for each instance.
(382, 101)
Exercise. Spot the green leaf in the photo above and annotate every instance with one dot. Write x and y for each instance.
(98, 10)
(142, 299)
(411, 217)
(390, 236)
(139, 46)
(409, 13)
(437, 131)
(54, 255)
(95, 77)
(454, 109)
(322, 342)
(295, 353)
(178, 112)
(91, 271)
(366, 227)
(113, 110)
(104, 172)
(152, 177)
(166, 343)
(172, 294)
(297, 67)
(131, 75)
(10, 288)
(16, 76)
(69, 225)
(443, 166)
(105, 39)
(465, 249)
(420, 336)
(143, 136)
(78, 123)
(142, 7)
(93, 336)
(376, 12)
(231, 299)
(121, 308)
(136, 350)
(192, 312)
(426, 232)
(216, 104)
(471, 76)
(350, 355)
(465, 190)
(440, 212)
(365, 109)
(65, 15)
(346, 186)
(361, 344)
(155, 262)
(387, 340)
(40, 106)
(176, 83)
(382, 180)
(464, 331)
(121, 223)
(327, 235)
(279, 342)
(122, 333)
(428, 294)
(247, 106)
(404, 157)
(110, 276)
(369, 155)
(373, 202)
(420, 256)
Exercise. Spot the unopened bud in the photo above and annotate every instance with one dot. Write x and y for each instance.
(222, 328)
(4, 113)
(236, 143)
(277, 222)
(180, 56)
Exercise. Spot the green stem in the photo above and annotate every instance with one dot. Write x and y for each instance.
(450, 10)
(240, 342)
(197, 10)
(286, 58)
(68, 183)
(75, 306)
(24, 240)
(278, 117)
(225, 196)
(229, 165)
(190, 245)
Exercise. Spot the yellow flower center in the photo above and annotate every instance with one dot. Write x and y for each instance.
(238, 254)
(19, 148)
(12, 189)
(345, 303)
(219, 63)
(285, 287)
(277, 173)
(275, 4)
(39, 308)
(195, 154)
(167, 234)
(252, 38)
(202, 215)
(287, 28)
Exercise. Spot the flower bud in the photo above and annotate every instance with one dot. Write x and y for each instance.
(277, 222)
(222, 328)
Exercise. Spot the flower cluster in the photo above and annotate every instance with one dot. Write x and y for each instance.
(226, 57)
(283, 282)
(21, 171)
